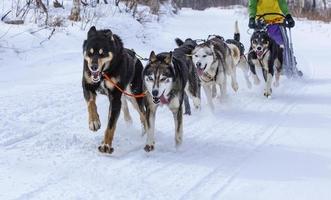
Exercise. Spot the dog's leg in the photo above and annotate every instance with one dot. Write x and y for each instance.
(125, 109)
(268, 75)
(187, 105)
(207, 90)
(222, 83)
(177, 111)
(268, 91)
(265, 74)
(233, 75)
(192, 89)
(213, 90)
(142, 114)
(138, 104)
(93, 117)
(277, 77)
(245, 69)
(277, 74)
(114, 112)
(150, 117)
(253, 70)
(178, 117)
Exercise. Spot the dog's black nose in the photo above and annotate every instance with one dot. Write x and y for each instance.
(198, 64)
(155, 93)
(94, 67)
(259, 48)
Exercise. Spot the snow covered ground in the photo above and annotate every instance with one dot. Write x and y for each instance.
(249, 148)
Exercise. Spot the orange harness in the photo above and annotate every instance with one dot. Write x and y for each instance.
(123, 91)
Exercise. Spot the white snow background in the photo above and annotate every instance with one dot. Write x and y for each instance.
(249, 148)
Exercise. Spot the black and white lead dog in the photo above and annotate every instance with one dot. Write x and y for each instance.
(267, 54)
(217, 58)
(168, 77)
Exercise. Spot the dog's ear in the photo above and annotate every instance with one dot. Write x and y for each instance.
(179, 42)
(109, 34)
(168, 58)
(152, 57)
(84, 45)
(92, 31)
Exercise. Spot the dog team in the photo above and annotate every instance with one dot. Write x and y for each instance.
(169, 78)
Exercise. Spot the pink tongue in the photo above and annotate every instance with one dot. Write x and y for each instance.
(163, 100)
(259, 53)
(95, 74)
(200, 72)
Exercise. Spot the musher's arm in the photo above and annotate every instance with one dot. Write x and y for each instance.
(283, 6)
(252, 5)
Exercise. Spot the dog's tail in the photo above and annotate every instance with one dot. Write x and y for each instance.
(236, 32)
(179, 42)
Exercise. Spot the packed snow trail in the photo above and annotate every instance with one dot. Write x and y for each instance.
(250, 147)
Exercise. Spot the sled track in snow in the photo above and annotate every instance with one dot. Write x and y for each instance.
(211, 180)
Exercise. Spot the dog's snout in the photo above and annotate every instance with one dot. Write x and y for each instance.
(155, 93)
(198, 64)
(259, 48)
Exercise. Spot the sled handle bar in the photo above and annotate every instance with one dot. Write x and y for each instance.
(267, 14)
(261, 23)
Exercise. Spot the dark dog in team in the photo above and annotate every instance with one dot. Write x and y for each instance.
(104, 54)
(267, 54)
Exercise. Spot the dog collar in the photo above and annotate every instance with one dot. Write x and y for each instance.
(210, 79)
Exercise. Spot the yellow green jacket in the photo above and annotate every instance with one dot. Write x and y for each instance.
(260, 7)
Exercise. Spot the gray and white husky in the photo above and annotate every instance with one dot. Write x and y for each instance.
(216, 58)
(168, 80)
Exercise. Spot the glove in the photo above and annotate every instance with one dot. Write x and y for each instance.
(251, 23)
(289, 21)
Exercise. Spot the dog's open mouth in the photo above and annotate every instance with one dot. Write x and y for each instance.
(96, 76)
(259, 53)
(204, 76)
(162, 99)
(201, 70)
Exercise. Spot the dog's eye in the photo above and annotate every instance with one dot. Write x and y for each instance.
(254, 42)
(204, 56)
(163, 79)
(196, 56)
(149, 78)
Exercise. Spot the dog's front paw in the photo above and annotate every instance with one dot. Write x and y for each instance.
(197, 102)
(106, 148)
(94, 124)
(149, 148)
(235, 86)
(178, 140)
(187, 112)
(267, 92)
